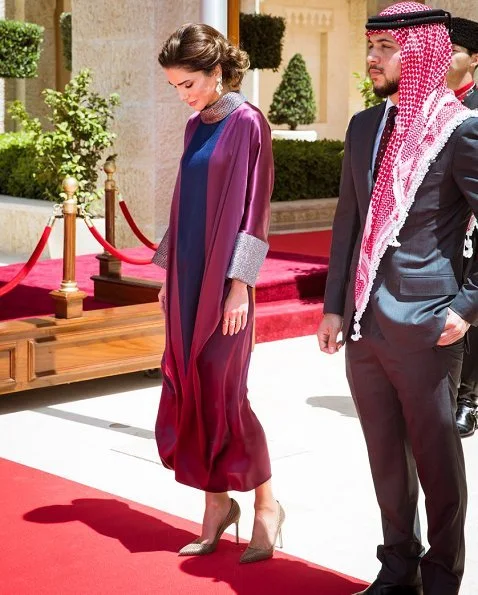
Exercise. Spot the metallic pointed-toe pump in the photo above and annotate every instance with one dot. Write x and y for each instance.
(253, 554)
(196, 548)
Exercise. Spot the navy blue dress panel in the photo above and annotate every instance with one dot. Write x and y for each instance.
(191, 249)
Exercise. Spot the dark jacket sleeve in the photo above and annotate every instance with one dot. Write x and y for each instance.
(465, 172)
(344, 236)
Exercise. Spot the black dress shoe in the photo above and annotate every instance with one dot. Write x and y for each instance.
(466, 417)
(379, 588)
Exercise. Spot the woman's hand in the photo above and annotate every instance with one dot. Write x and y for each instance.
(236, 308)
(162, 298)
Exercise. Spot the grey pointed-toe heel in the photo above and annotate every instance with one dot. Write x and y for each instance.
(253, 554)
(196, 548)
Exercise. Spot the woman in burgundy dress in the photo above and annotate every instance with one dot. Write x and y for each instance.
(215, 245)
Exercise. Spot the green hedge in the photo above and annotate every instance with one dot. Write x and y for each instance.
(19, 49)
(261, 37)
(17, 166)
(65, 28)
(306, 169)
(302, 169)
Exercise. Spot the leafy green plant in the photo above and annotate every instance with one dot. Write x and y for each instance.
(261, 37)
(293, 102)
(17, 166)
(65, 29)
(365, 87)
(20, 47)
(306, 169)
(81, 132)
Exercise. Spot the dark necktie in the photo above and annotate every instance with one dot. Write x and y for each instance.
(387, 133)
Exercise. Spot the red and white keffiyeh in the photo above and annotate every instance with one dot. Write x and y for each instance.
(427, 115)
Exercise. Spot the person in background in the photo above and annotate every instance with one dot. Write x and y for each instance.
(216, 243)
(464, 39)
(395, 290)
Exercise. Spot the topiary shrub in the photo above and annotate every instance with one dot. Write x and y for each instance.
(306, 169)
(81, 132)
(261, 36)
(65, 28)
(20, 47)
(293, 102)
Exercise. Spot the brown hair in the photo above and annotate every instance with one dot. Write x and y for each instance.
(197, 47)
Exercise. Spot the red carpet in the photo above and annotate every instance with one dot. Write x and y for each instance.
(63, 538)
(288, 293)
(312, 243)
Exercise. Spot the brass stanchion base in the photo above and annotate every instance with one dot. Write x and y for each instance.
(68, 304)
(110, 266)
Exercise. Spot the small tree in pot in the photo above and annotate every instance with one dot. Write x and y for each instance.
(80, 121)
(293, 102)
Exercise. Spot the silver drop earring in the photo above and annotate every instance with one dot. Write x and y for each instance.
(219, 85)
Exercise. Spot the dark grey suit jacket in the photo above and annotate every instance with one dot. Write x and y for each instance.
(472, 100)
(418, 280)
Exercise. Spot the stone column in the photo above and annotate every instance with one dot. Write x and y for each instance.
(214, 13)
(41, 12)
(120, 42)
(250, 84)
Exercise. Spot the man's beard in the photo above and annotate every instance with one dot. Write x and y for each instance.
(389, 88)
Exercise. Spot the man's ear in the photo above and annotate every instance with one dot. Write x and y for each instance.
(474, 61)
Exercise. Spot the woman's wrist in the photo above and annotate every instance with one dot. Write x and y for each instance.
(238, 284)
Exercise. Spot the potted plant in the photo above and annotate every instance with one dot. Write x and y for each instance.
(74, 145)
(293, 102)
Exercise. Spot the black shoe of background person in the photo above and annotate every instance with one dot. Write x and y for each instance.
(466, 417)
(379, 588)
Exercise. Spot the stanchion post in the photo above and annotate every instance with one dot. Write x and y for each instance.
(110, 266)
(68, 298)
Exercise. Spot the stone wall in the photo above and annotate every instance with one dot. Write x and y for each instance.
(458, 8)
(330, 37)
(120, 42)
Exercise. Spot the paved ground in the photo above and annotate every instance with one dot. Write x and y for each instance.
(100, 433)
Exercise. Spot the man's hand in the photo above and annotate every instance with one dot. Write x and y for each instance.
(329, 328)
(455, 328)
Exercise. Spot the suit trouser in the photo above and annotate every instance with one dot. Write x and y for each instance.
(406, 405)
(469, 375)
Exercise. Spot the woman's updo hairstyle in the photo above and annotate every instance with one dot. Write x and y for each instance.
(197, 47)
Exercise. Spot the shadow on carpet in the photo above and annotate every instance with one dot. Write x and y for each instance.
(67, 538)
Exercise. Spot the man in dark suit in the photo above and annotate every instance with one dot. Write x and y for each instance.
(395, 290)
(464, 39)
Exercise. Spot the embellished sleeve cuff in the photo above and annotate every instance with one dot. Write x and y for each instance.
(248, 256)
(161, 255)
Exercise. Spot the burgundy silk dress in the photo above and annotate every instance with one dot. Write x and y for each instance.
(206, 430)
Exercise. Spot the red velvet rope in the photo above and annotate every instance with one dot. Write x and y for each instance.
(135, 229)
(27, 267)
(111, 249)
